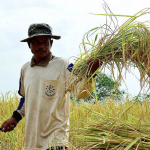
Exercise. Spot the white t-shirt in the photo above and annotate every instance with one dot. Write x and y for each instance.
(46, 106)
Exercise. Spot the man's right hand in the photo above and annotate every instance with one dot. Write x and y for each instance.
(9, 125)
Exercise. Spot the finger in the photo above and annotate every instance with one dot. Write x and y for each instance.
(6, 124)
(14, 125)
(11, 127)
(2, 127)
(5, 127)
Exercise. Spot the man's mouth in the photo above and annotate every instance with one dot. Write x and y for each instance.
(40, 51)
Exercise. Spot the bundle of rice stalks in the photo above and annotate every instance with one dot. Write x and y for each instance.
(122, 46)
(115, 133)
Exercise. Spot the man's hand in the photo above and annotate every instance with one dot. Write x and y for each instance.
(93, 65)
(9, 125)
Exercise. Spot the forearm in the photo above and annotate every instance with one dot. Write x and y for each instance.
(20, 112)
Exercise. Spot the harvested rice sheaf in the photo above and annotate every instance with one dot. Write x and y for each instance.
(121, 46)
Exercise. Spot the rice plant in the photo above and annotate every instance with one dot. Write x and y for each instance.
(125, 125)
(113, 45)
(112, 127)
(13, 140)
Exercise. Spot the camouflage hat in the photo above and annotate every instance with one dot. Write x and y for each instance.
(40, 29)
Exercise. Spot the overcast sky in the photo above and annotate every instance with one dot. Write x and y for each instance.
(69, 19)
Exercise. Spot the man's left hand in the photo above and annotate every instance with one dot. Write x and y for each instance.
(93, 65)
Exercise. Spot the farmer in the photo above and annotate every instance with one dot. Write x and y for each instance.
(44, 90)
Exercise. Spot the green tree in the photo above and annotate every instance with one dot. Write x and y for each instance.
(105, 87)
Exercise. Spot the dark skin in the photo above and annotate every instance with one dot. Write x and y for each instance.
(93, 65)
(40, 46)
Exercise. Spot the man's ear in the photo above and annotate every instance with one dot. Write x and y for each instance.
(51, 42)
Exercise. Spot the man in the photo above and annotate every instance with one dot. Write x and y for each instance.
(44, 87)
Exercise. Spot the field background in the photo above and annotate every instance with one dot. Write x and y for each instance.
(128, 120)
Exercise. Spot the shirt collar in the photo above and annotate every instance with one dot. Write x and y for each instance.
(43, 63)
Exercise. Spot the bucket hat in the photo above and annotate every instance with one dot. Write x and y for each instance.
(40, 29)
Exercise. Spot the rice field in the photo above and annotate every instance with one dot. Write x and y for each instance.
(121, 126)
(102, 126)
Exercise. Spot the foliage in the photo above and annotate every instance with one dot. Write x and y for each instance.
(105, 87)
(140, 97)
(13, 140)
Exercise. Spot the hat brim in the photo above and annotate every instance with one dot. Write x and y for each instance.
(52, 36)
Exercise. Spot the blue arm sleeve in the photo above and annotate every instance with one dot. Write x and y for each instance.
(17, 115)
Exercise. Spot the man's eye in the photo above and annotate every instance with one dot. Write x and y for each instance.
(46, 43)
(35, 43)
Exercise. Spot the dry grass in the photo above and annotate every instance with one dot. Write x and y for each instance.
(91, 125)
(111, 126)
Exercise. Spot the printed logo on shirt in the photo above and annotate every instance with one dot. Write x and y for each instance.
(50, 91)
(70, 67)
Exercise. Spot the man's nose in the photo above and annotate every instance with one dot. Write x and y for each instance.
(41, 45)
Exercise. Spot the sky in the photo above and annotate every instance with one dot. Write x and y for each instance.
(69, 19)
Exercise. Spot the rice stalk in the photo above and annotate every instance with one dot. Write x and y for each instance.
(121, 46)
(103, 132)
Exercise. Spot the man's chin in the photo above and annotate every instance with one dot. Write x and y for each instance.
(41, 55)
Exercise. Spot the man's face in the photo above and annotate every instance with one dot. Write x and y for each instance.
(40, 46)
